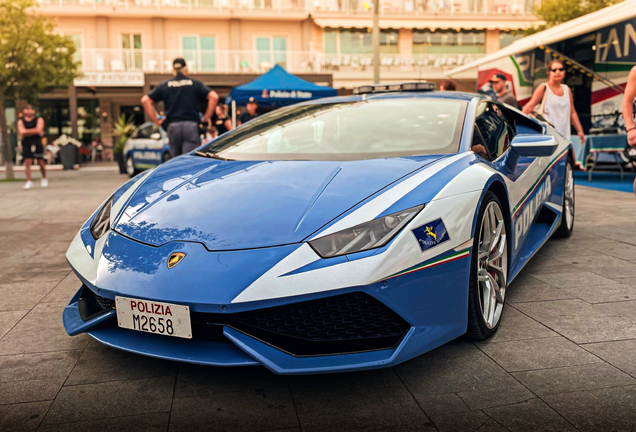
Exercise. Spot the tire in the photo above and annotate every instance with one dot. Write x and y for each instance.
(488, 270)
(130, 167)
(567, 220)
(165, 158)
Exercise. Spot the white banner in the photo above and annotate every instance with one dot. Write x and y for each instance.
(110, 79)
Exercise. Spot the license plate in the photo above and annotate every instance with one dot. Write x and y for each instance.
(154, 317)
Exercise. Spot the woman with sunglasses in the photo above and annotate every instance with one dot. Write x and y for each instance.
(559, 104)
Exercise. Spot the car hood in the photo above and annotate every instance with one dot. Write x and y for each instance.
(230, 205)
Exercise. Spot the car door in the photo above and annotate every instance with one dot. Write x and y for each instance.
(142, 143)
(495, 129)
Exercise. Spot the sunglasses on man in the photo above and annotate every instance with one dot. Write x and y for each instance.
(495, 81)
(557, 70)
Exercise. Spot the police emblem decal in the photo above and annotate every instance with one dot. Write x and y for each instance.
(431, 234)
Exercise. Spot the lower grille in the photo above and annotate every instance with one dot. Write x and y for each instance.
(348, 323)
(104, 302)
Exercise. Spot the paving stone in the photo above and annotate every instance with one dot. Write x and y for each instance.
(100, 363)
(111, 399)
(234, 411)
(491, 426)
(23, 295)
(511, 393)
(582, 322)
(517, 326)
(16, 276)
(616, 292)
(41, 331)
(460, 421)
(13, 392)
(64, 290)
(623, 251)
(9, 319)
(619, 354)
(532, 415)
(606, 266)
(537, 354)
(342, 401)
(22, 417)
(573, 280)
(196, 380)
(532, 293)
(440, 404)
(155, 422)
(37, 366)
(456, 367)
(574, 378)
(610, 409)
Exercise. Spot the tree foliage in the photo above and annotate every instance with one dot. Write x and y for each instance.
(33, 59)
(555, 12)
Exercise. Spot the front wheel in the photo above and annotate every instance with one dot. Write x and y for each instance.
(488, 270)
(130, 167)
(567, 216)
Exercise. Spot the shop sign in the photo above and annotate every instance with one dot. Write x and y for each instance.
(110, 79)
(433, 60)
(283, 94)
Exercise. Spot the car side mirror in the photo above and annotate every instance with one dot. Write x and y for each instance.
(534, 145)
(527, 146)
(155, 136)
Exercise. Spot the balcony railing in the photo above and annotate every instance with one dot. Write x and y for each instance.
(203, 61)
(388, 7)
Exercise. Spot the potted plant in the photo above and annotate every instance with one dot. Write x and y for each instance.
(69, 150)
(123, 128)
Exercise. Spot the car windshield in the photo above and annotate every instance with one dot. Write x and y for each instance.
(351, 130)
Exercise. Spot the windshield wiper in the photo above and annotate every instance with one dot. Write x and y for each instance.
(209, 155)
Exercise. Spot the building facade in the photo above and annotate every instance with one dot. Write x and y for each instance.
(125, 47)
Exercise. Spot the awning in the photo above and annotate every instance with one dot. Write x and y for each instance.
(579, 26)
(278, 88)
(478, 23)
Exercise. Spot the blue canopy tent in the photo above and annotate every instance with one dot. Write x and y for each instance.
(278, 88)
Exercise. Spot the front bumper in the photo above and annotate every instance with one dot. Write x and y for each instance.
(428, 302)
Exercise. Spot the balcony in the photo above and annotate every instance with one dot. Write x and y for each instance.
(202, 61)
(234, 8)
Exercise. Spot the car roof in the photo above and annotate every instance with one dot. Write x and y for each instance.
(452, 95)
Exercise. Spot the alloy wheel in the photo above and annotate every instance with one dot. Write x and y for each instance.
(492, 265)
(569, 196)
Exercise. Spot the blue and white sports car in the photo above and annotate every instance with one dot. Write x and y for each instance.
(342, 234)
(146, 148)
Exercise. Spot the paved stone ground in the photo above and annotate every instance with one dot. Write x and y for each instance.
(563, 359)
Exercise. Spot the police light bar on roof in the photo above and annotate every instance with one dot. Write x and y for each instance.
(387, 88)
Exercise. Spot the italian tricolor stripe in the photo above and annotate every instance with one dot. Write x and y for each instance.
(536, 184)
(456, 256)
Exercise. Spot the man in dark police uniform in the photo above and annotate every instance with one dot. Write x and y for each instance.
(181, 96)
(250, 112)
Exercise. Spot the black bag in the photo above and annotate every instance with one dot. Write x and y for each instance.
(630, 154)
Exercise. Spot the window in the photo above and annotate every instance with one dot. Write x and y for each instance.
(359, 41)
(494, 128)
(143, 132)
(447, 42)
(348, 131)
(198, 52)
(76, 38)
(131, 51)
(271, 51)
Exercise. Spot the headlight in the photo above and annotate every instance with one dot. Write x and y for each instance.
(101, 223)
(369, 235)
